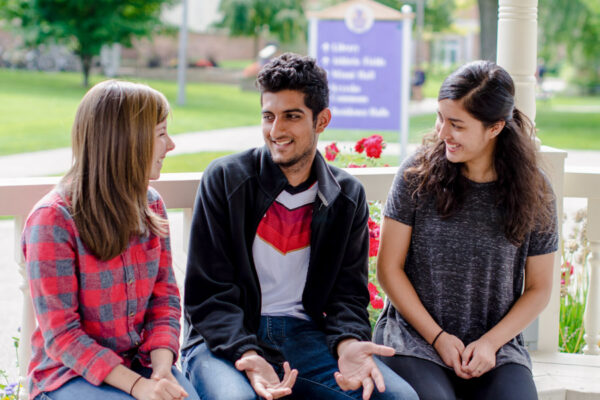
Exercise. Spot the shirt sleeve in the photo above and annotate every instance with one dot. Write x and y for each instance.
(400, 204)
(212, 296)
(544, 241)
(50, 248)
(161, 327)
(346, 309)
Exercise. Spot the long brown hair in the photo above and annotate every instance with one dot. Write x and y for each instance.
(486, 91)
(113, 139)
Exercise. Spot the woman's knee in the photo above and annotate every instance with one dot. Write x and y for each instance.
(79, 388)
(396, 387)
(427, 380)
(508, 381)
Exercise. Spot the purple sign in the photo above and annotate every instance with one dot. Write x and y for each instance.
(364, 72)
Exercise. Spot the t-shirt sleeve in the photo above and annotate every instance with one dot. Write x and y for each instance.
(400, 204)
(544, 241)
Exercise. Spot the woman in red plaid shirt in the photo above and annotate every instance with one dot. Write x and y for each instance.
(99, 259)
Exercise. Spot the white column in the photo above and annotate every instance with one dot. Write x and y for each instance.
(517, 53)
(182, 55)
(405, 79)
(591, 318)
(188, 213)
(313, 32)
(553, 161)
(27, 316)
(517, 48)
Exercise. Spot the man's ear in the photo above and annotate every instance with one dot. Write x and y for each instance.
(323, 119)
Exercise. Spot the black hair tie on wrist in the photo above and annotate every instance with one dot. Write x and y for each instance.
(436, 337)
(134, 383)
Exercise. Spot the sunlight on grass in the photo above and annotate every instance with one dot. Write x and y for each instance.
(195, 162)
(37, 111)
(38, 108)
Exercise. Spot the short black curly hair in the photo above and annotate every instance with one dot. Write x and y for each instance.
(294, 72)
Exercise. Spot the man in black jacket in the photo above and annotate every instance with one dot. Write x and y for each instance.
(277, 263)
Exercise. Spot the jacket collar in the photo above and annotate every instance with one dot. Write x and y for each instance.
(273, 180)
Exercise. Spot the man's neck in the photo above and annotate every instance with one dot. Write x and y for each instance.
(297, 174)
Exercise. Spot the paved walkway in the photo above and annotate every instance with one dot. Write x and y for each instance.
(57, 162)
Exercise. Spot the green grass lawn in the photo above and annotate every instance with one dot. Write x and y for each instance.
(197, 162)
(190, 162)
(565, 130)
(418, 126)
(234, 64)
(37, 109)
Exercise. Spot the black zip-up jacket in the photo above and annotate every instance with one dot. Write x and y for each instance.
(222, 299)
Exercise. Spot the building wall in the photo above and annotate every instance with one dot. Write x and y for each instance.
(163, 49)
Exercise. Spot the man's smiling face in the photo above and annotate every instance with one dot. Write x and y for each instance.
(288, 129)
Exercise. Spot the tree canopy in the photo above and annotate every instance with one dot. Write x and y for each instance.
(85, 25)
(569, 32)
(437, 15)
(284, 19)
(488, 25)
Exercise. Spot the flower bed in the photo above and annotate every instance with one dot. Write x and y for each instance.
(574, 284)
(366, 153)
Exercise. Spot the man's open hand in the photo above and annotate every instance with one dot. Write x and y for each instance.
(264, 379)
(358, 368)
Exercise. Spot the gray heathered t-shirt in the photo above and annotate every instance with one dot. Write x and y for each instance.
(465, 271)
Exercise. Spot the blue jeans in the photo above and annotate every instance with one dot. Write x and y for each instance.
(79, 388)
(304, 346)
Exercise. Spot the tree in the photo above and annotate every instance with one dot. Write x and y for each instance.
(85, 25)
(257, 18)
(571, 28)
(438, 13)
(488, 23)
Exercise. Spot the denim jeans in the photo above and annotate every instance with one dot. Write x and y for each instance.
(304, 346)
(79, 388)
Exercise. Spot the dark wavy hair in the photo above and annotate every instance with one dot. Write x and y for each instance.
(486, 91)
(294, 72)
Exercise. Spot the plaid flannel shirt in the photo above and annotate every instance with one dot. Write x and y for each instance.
(93, 315)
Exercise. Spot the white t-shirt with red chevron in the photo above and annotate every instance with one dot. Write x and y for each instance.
(281, 252)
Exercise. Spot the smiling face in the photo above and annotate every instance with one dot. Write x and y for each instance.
(467, 140)
(162, 145)
(290, 133)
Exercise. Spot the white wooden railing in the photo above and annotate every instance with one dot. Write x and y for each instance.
(17, 197)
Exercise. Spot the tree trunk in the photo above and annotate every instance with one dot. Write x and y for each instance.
(86, 65)
(488, 21)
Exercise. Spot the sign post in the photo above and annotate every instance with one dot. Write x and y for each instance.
(365, 48)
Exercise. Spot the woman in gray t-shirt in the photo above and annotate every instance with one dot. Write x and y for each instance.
(467, 246)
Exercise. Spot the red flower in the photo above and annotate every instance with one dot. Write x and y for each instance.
(373, 246)
(360, 145)
(373, 291)
(374, 231)
(373, 225)
(377, 303)
(352, 165)
(374, 145)
(376, 300)
(331, 151)
(567, 266)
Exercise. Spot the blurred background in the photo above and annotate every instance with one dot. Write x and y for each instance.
(51, 51)
(204, 56)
